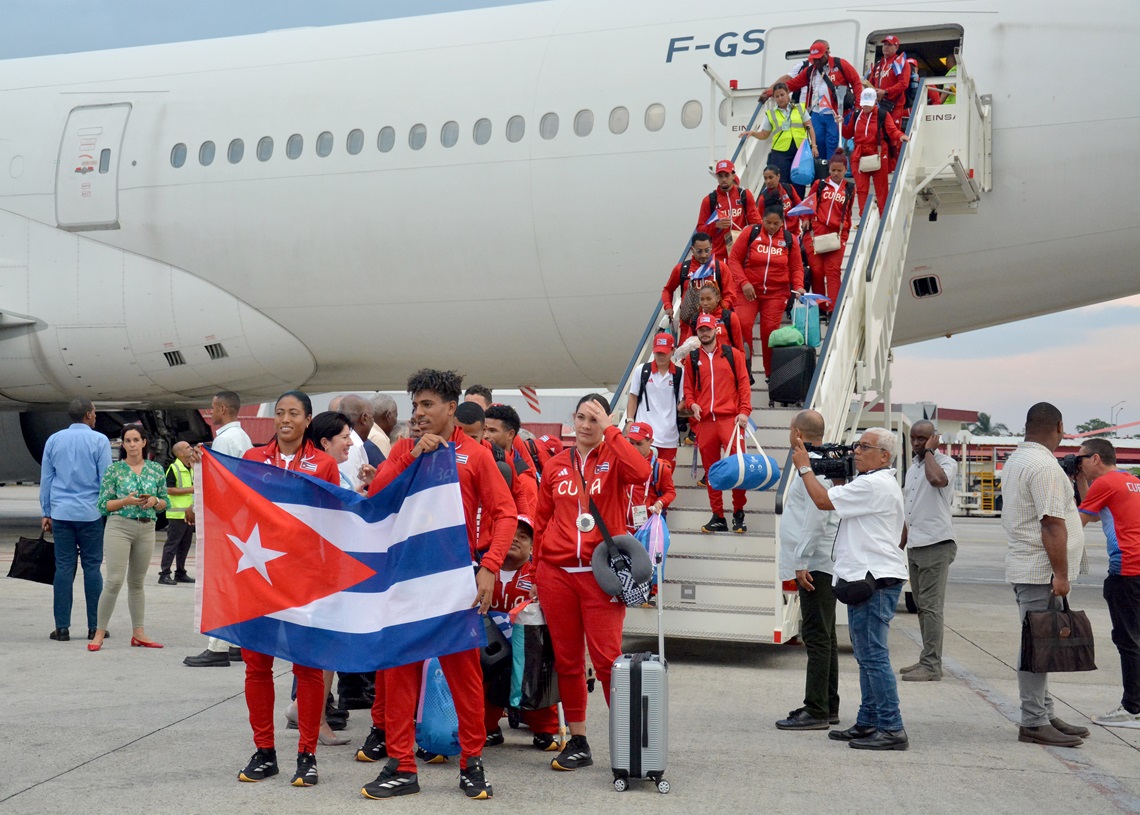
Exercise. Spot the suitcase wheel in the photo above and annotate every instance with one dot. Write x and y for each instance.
(621, 784)
(663, 786)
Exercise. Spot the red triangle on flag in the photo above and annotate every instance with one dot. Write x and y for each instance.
(259, 559)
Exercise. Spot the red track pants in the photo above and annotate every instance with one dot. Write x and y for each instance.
(667, 454)
(827, 274)
(771, 310)
(539, 721)
(259, 699)
(881, 177)
(714, 435)
(402, 689)
(378, 701)
(577, 609)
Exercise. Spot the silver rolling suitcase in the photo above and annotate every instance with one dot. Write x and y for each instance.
(639, 713)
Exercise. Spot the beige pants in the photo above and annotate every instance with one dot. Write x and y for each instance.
(128, 547)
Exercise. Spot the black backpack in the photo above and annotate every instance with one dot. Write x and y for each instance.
(755, 233)
(848, 195)
(643, 397)
(743, 201)
(532, 448)
(695, 361)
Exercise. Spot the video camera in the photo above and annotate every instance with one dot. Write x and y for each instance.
(836, 461)
(1070, 465)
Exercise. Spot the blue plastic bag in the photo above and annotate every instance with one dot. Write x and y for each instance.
(744, 471)
(803, 165)
(437, 723)
(805, 317)
(654, 535)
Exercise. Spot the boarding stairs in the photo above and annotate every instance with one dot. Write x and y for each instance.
(726, 586)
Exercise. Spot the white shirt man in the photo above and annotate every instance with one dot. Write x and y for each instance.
(231, 440)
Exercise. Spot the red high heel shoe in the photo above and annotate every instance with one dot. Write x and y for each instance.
(94, 646)
(137, 643)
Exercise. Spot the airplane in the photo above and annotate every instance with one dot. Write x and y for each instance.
(501, 190)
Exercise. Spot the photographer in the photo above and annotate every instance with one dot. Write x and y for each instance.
(867, 557)
(806, 536)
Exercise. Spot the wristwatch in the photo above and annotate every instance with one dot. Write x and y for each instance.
(804, 470)
(926, 450)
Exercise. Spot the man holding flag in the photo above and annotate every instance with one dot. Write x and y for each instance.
(486, 502)
(727, 210)
(693, 271)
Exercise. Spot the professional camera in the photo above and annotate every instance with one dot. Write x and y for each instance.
(1070, 465)
(836, 461)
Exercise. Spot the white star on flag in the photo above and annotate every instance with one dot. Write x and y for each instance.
(253, 554)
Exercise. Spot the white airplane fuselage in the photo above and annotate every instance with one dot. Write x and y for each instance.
(534, 261)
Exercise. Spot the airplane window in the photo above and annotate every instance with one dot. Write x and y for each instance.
(449, 135)
(655, 117)
(236, 151)
(206, 154)
(324, 144)
(691, 114)
(417, 138)
(548, 126)
(516, 127)
(584, 122)
(105, 160)
(294, 146)
(265, 148)
(178, 155)
(355, 142)
(386, 139)
(722, 113)
(619, 120)
(482, 131)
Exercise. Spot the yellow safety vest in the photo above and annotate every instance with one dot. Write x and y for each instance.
(953, 89)
(786, 130)
(183, 478)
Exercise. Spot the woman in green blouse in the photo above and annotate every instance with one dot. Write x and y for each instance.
(133, 492)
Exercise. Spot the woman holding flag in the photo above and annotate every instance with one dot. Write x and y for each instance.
(290, 449)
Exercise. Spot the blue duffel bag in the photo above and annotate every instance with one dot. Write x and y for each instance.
(744, 471)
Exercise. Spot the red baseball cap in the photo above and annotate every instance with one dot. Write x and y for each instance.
(523, 519)
(706, 319)
(640, 431)
(818, 49)
(664, 343)
(890, 39)
(725, 166)
(552, 444)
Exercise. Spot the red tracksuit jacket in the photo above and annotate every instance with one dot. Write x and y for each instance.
(720, 395)
(727, 286)
(485, 493)
(841, 73)
(726, 203)
(769, 264)
(309, 460)
(649, 492)
(864, 129)
(832, 209)
(892, 76)
(787, 197)
(609, 470)
(514, 591)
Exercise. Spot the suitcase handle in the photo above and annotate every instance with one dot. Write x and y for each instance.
(645, 721)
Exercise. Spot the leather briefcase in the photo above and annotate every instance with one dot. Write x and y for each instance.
(1057, 640)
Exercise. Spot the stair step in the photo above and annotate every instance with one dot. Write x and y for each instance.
(690, 520)
(746, 595)
(757, 572)
(704, 622)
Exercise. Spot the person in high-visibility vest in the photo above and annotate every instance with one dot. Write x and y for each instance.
(788, 124)
(179, 529)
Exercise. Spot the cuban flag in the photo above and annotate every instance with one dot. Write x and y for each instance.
(318, 575)
(804, 207)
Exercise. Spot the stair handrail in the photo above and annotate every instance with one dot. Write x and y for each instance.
(641, 354)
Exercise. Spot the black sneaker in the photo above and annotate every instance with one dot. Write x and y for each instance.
(262, 764)
(576, 753)
(738, 525)
(306, 775)
(391, 782)
(374, 747)
(428, 757)
(473, 780)
(166, 580)
(545, 742)
(494, 738)
(182, 577)
(715, 524)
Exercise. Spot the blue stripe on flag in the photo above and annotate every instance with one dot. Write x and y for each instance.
(359, 653)
(418, 556)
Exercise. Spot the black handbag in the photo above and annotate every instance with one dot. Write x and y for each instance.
(1057, 640)
(854, 592)
(34, 560)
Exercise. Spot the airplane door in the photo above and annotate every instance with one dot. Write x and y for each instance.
(786, 47)
(87, 174)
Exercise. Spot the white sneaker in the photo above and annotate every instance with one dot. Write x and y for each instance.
(1118, 718)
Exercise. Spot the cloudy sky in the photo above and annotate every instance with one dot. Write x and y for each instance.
(1082, 360)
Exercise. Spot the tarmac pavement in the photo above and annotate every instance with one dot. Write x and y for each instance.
(132, 730)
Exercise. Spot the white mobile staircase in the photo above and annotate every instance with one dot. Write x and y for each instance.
(726, 586)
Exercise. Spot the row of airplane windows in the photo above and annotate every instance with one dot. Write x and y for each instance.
(691, 115)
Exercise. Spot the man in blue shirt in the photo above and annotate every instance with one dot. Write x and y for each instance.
(73, 465)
